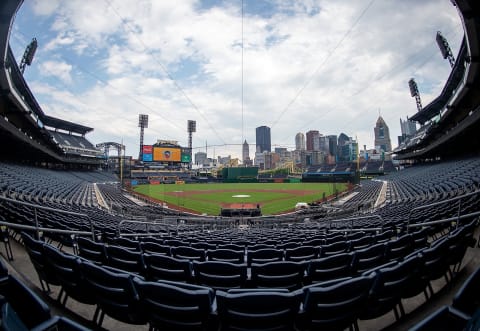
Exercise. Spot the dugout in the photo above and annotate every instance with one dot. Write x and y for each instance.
(240, 212)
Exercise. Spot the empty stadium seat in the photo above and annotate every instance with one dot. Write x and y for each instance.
(335, 307)
(172, 307)
(257, 310)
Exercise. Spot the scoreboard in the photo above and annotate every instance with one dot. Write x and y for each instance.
(166, 154)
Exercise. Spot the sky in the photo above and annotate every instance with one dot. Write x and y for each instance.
(232, 65)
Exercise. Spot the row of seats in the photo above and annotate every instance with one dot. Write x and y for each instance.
(168, 305)
(385, 250)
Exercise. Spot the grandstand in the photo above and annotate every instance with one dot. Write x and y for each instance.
(384, 256)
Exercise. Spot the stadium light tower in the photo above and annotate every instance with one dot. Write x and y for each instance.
(191, 127)
(445, 48)
(142, 123)
(28, 55)
(414, 93)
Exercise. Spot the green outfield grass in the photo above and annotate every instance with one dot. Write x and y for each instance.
(274, 198)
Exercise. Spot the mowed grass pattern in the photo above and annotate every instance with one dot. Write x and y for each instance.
(274, 198)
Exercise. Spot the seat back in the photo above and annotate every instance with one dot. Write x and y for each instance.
(160, 267)
(29, 307)
(114, 293)
(368, 258)
(361, 242)
(396, 250)
(155, 248)
(169, 307)
(126, 243)
(91, 250)
(279, 274)
(334, 248)
(226, 255)
(389, 286)
(436, 259)
(302, 253)
(335, 307)
(330, 267)
(67, 270)
(188, 253)
(220, 275)
(34, 249)
(125, 259)
(257, 310)
(264, 255)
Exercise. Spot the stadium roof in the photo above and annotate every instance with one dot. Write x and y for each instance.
(65, 125)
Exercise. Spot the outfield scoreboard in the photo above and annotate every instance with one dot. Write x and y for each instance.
(174, 154)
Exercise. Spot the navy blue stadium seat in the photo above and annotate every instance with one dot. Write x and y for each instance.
(46, 275)
(335, 307)
(172, 307)
(125, 259)
(390, 282)
(330, 267)
(368, 258)
(162, 267)
(226, 255)
(188, 253)
(155, 248)
(220, 275)
(30, 309)
(91, 250)
(264, 255)
(67, 269)
(257, 310)
(114, 294)
(278, 274)
(301, 253)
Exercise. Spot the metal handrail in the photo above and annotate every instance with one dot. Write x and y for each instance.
(444, 220)
(41, 229)
(441, 203)
(352, 219)
(147, 227)
(37, 228)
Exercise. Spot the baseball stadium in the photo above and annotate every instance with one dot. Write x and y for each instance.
(355, 239)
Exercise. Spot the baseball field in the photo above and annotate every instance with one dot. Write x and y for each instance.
(272, 198)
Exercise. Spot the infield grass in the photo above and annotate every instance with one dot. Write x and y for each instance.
(273, 198)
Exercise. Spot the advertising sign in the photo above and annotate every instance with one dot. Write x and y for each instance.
(147, 157)
(147, 149)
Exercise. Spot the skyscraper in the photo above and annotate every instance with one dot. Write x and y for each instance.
(263, 140)
(408, 129)
(300, 141)
(245, 152)
(312, 140)
(332, 144)
(382, 136)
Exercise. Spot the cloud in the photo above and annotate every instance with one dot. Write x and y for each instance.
(313, 64)
(61, 70)
(44, 8)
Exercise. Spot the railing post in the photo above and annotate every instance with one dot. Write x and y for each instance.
(36, 223)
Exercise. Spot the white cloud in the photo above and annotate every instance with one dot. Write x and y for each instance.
(61, 70)
(308, 65)
(44, 8)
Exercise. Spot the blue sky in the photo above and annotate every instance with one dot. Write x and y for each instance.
(327, 65)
